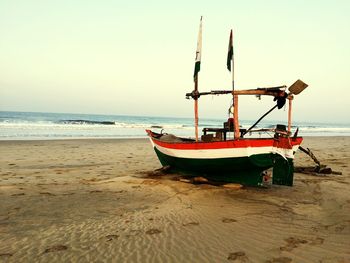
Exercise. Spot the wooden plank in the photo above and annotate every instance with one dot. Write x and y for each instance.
(297, 87)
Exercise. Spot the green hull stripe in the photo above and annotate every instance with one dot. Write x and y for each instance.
(244, 170)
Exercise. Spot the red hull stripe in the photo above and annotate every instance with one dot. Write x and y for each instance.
(241, 143)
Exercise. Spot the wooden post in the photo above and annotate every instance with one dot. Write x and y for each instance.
(235, 117)
(197, 68)
(233, 81)
(196, 108)
(233, 86)
(196, 118)
(290, 114)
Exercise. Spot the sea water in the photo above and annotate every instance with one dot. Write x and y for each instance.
(34, 125)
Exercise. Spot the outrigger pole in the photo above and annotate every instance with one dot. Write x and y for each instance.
(197, 67)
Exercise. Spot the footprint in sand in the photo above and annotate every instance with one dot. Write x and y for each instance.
(13, 211)
(239, 255)
(228, 220)
(317, 241)
(46, 193)
(111, 237)
(153, 231)
(18, 194)
(119, 192)
(3, 218)
(191, 224)
(292, 242)
(56, 248)
(279, 260)
(339, 229)
(136, 232)
(6, 255)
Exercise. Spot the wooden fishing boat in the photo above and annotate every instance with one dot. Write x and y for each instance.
(240, 158)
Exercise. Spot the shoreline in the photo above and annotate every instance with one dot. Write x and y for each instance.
(138, 138)
(75, 138)
(72, 139)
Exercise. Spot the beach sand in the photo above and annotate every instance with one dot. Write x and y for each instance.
(93, 200)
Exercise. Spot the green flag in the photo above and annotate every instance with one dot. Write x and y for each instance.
(197, 66)
(230, 52)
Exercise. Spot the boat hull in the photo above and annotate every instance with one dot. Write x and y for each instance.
(240, 161)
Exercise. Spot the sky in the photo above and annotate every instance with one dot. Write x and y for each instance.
(137, 57)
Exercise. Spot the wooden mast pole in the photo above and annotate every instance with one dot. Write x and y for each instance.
(235, 98)
(235, 117)
(290, 114)
(233, 76)
(196, 108)
(197, 68)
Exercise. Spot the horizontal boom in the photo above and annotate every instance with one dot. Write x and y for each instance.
(276, 92)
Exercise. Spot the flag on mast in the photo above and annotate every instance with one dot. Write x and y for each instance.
(197, 65)
(230, 53)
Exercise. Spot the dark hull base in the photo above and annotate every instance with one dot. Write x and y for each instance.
(247, 171)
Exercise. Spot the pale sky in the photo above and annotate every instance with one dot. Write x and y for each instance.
(137, 57)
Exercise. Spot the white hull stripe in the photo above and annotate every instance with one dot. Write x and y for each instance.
(226, 152)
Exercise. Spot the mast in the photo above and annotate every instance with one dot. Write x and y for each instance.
(197, 68)
(196, 108)
(230, 67)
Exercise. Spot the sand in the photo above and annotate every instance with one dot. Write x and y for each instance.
(93, 200)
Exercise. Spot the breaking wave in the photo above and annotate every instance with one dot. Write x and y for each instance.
(82, 122)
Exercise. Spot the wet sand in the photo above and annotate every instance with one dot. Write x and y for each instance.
(93, 200)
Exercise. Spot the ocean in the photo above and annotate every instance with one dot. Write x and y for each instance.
(36, 126)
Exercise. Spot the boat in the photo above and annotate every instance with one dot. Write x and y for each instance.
(231, 153)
